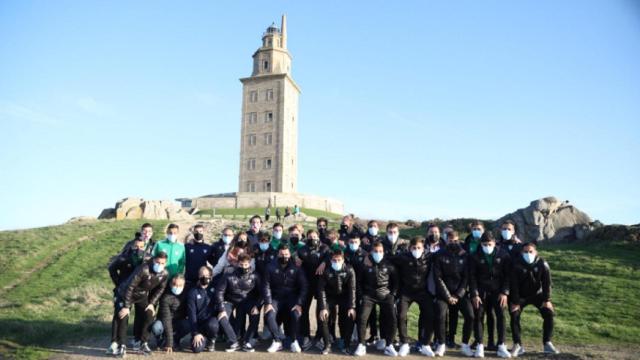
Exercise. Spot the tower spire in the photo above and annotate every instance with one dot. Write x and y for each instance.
(283, 29)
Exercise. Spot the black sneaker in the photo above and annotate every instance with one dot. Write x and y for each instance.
(121, 352)
(491, 346)
(451, 344)
(233, 347)
(211, 345)
(247, 347)
(372, 340)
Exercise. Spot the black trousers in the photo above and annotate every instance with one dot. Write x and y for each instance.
(305, 322)
(282, 313)
(427, 316)
(452, 325)
(233, 326)
(345, 323)
(489, 303)
(464, 306)
(387, 316)
(140, 327)
(547, 318)
(209, 329)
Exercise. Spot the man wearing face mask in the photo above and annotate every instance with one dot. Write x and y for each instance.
(174, 249)
(172, 323)
(322, 225)
(197, 254)
(146, 233)
(264, 254)
(379, 283)
(120, 268)
(371, 236)
(355, 256)
(277, 232)
(284, 291)
(393, 245)
(311, 255)
(509, 239)
(220, 247)
(451, 271)
(239, 291)
(531, 285)
(143, 290)
(294, 240)
(255, 226)
(471, 246)
(413, 268)
(348, 228)
(489, 288)
(337, 287)
(202, 324)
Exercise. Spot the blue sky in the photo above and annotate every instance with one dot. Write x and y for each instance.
(408, 109)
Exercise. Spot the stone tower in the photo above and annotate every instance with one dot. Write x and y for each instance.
(269, 144)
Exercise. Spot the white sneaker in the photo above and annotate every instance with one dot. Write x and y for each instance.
(112, 349)
(426, 351)
(381, 344)
(479, 351)
(465, 349)
(550, 349)
(404, 350)
(503, 352)
(440, 350)
(361, 350)
(517, 350)
(390, 351)
(295, 347)
(275, 346)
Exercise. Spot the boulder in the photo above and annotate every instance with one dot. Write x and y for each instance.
(137, 208)
(550, 219)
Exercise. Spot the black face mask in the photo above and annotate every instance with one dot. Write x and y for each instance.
(294, 240)
(432, 239)
(241, 243)
(344, 227)
(322, 230)
(199, 237)
(246, 270)
(137, 256)
(313, 243)
(283, 260)
(204, 280)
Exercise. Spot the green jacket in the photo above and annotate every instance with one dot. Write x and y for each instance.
(175, 256)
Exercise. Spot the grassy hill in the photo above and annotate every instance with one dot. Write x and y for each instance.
(54, 288)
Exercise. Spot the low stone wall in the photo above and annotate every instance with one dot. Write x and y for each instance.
(261, 199)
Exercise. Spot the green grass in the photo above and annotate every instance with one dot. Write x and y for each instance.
(70, 298)
(260, 211)
(596, 289)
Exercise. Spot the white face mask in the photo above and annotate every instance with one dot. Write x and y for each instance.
(157, 268)
(277, 234)
(506, 234)
(373, 231)
(488, 249)
(337, 266)
(177, 290)
(227, 239)
(392, 238)
(417, 253)
(172, 237)
(528, 258)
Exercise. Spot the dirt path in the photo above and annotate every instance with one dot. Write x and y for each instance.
(46, 262)
(94, 349)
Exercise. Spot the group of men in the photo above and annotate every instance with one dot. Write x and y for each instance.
(362, 281)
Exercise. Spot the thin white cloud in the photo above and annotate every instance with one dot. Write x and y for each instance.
(24, 114)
